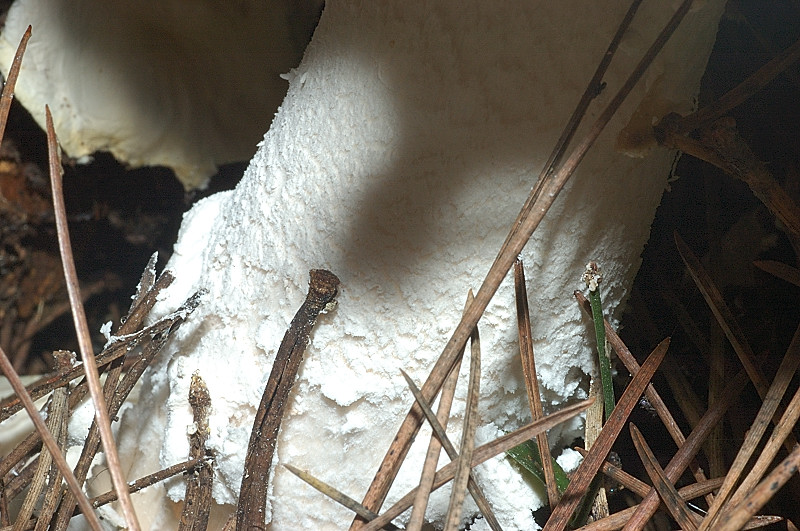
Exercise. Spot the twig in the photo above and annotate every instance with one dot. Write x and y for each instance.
(57, 415)
(121, 392)
(724, 148)
(144, 298)
(587, 470)
(91, 445)
(197, 500)
(253, 494)
(481, 454)
(5, 519)
(149, 480)
(111, 353)
(532, 213)
(82, 330)
(532, 381)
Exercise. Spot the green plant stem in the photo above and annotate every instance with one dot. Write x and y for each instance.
(605, 362)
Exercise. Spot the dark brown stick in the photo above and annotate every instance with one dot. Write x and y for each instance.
(253, 494)
(197, 501)
(149, 480)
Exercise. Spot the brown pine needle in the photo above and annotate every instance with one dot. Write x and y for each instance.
(589, 94)
(440, 435)
(49, 441)
(481, 454)
(533, 211)
(728, 323)
(760, 79)
(641, 489)
(779, 269)
(417, 518)
(463, 463)
(758, 497)
(655, 400)
(786, 424)
(583, 476)
(695, 490)
(689, 449)
(335, 495)
(772, 400)
(434, 449)
(82, 330)
(531, 380)
(631, 483)
(8, 89)
(669, 495)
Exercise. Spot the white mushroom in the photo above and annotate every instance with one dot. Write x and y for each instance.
(158, 83)
(409, 138)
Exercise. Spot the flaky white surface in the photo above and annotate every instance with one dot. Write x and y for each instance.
(410, 136)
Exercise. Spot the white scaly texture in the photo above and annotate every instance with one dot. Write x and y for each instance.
(410, 136)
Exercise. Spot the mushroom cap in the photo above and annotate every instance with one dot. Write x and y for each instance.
(186, 86)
